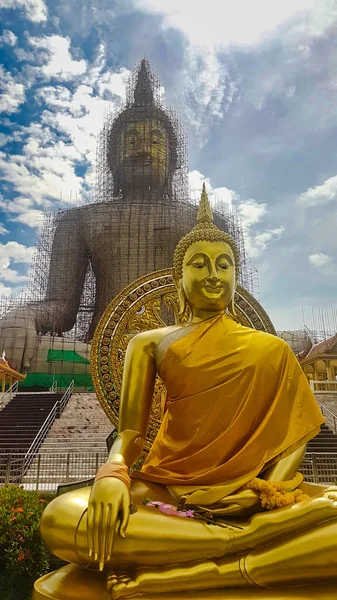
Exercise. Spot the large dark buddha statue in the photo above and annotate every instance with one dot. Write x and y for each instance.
(219, 509)
(131, 231)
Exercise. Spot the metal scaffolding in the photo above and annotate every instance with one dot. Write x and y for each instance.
(86, 254)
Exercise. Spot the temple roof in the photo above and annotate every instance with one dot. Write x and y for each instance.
(5, 369)
(325, 347)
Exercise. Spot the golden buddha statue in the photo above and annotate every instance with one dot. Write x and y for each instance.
(218, 503)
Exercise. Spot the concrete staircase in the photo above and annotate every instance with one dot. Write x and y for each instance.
(22, 418)
(325, 441)
(82, 427)
(75, 446)
(328, 400)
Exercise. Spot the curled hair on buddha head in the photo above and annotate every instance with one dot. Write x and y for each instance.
(204, 231)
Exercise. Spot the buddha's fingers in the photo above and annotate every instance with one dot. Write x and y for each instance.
(90, 527)
(102, 530)
(111, 528)
(96, 529)
(125, 514)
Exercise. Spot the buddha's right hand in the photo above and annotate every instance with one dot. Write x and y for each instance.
(109, 502)
(18, 337)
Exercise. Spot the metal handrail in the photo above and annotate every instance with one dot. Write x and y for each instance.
(64, 400)
(53, 388)
(8, 395)
(329, 417)
(55, 413)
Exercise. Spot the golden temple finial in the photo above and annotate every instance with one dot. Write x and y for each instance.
(204, 216)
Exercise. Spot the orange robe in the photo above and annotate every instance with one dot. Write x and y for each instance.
(238, 401)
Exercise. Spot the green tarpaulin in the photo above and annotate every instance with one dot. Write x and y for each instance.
(66, 356)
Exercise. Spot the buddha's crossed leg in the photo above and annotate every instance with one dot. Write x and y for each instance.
(155, 540)
(306, 558)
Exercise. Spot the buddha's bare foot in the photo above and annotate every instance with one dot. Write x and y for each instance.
(187, 577)
(331, 493)
(120, 585)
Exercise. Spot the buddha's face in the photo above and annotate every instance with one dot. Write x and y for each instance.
(144, 153)
(208, 279)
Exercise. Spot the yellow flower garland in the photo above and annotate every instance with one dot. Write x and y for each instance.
(275, 494)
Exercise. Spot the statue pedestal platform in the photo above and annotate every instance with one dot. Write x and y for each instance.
(72, 583)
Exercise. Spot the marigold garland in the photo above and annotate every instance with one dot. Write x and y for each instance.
(275, 494)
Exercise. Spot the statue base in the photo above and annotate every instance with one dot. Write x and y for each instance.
(73, 583)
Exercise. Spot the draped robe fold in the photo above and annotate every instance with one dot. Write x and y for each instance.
(238, 401)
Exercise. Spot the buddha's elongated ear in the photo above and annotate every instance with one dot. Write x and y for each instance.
(231, 308)
(183, 305)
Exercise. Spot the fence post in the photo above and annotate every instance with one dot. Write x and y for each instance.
(38, 471)
(314, 468)
(68, 467)
(8, 469)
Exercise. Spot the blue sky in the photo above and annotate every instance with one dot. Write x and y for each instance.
(256, 87)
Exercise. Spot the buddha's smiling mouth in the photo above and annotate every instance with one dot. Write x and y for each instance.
(214, 289)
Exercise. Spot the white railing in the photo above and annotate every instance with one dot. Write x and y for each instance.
(47, 471)
(55, 413)
(330, 418)
(325, 387)
(64, 400)
(8, 395)
(319, 467)
(53, 388)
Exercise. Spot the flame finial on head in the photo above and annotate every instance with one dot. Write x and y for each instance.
(143, 93)
(204, 215)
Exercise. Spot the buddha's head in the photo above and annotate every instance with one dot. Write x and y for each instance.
(142, 145)
(206, 266)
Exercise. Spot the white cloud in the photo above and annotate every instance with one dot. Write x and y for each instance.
(215, 23)
(207, 87)
(320, 260)
(35, 10)
(63, 140)
(60, 63)
(20, 210)
(4, 139)
(13, 92)
(321, 194)
(260, 241)
(13, 251)
(10, 253)
(250, 213)
(32, 218)
(5, 291)
(41, 173)
(12, 276)
(216, 195)
(3, 229)
(8, 37)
